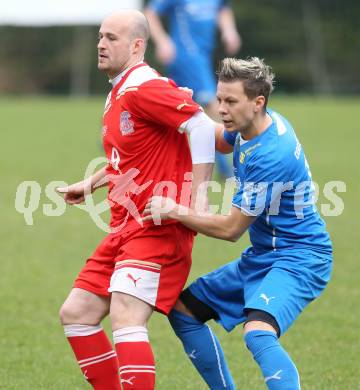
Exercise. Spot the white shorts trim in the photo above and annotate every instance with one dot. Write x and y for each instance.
(138, 279)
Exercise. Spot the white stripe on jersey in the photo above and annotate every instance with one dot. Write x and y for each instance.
(140, 76)
(279, 123)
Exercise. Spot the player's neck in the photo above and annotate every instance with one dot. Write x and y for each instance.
(260, 124)
(117, 76)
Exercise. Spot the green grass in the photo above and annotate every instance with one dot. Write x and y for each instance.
(47, 139)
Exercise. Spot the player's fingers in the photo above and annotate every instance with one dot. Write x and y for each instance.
(74, 200)
(147, 218)
(150, 207)
(187, 90)
(147, 210)
(62, 190)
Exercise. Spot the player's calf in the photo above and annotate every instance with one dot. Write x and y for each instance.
(278, 369)
(199, 342)
(81, 315)
(129, 316)
(95, 355)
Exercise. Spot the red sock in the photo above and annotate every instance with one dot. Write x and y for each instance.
(95, 356)
(136, 359)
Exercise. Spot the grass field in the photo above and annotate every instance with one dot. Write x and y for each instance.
(47, 139)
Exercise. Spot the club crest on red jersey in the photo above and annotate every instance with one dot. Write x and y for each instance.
(126, 125)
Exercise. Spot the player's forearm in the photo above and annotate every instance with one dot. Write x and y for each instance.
(226, 21)
(199, 191)
(229, 34)
(220, 143)
(97, 179)
(210, 225)
(157, 31)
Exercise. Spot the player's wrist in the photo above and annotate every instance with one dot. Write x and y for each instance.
(174, 212)
(89, 186)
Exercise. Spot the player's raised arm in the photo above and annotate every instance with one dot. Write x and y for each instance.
(165, 49)
(229, 34)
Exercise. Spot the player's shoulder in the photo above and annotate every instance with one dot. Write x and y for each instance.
(281, 124)
(144, 75)
(281, 139)
(271, 147)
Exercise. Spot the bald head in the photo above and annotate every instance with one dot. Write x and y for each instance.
(123, 38)
(131, 20)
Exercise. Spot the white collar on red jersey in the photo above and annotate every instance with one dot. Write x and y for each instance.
(117, 78)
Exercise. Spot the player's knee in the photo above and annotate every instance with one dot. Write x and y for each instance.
(68, 314)
(72, 313)
(120, 314)
(189, 304)
(180, 307)
(127, 310)
(261, 320)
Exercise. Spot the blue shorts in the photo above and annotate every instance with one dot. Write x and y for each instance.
(281, 283)
(195, 72)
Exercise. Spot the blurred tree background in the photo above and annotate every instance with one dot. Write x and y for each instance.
(313, 46)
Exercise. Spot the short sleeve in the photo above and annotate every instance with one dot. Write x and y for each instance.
(159, 101)
(265, 180)
(161, 7)
(230, 138)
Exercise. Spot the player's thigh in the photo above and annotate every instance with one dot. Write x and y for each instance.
(290, 285)
(223, 291)
(153, 265)
(127, 310)
(89, 300)
(96, 273)
(84, 307)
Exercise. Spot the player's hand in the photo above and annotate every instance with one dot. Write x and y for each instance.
(75, 193)
(159, 208)
(165, 51)
(232, 42)
(187, 90)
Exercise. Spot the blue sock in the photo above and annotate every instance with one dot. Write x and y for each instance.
(203, 349)
(278, 369)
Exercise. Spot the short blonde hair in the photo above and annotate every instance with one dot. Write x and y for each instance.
(257, 77)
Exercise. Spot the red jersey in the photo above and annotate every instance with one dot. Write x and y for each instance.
(147, 154)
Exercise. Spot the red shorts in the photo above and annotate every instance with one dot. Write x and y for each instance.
(151, 263)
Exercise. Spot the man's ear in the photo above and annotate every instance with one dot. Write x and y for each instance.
(259, 103)
(138, 44)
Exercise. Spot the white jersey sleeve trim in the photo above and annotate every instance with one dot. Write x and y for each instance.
(245, 211)
(202, 137)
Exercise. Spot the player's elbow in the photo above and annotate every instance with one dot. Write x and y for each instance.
(233, 238)
(231, 234)
(223, 147)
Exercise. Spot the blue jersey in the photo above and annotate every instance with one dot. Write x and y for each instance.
(192, 23)
(275, 185)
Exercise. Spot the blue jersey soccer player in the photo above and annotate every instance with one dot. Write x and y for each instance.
(290, 260)
(187, 50)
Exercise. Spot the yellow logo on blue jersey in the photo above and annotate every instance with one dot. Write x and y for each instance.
(247, 152)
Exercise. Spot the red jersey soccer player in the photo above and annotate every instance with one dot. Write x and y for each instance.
(135, 269)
